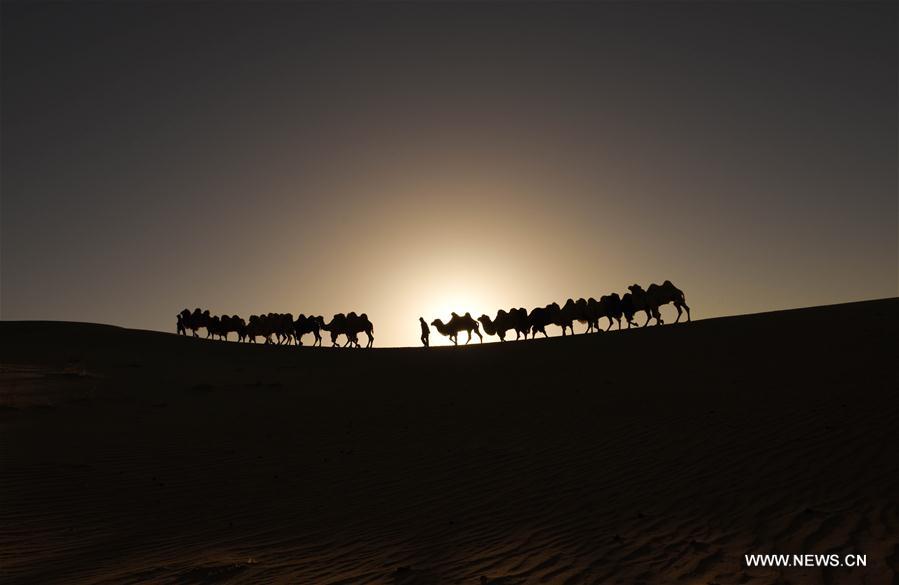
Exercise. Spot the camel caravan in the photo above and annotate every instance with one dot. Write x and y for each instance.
(588, 312)
(277, 328)
(283, 329)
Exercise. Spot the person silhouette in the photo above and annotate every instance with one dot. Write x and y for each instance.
(425, 332)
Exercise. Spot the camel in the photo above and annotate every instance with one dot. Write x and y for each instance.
(642, 302)
(361, 324)
(281, 326)
(594, 313)
(514, 320)
(609, 306)
(581, 311)
(230, 324)
(238, 326)
(497, 326)
(584, 313)
(567, 315)
(336, 327)
(260, 326)
(350, 325)
(628, 309)
(540, 317)
(214, 327)
(193, 320)
(199, 320)
(662, 294)
(457, 324)
(520, 323)
(311, 324)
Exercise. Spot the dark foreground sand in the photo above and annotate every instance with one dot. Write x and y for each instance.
(652, 456)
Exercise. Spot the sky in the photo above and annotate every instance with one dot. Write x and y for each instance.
(413, 159)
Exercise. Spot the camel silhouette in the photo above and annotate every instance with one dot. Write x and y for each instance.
(457, 324)
(312, 324)
(497, 326)
(540, 317)
(194, 320)
(642, 303)
(661, 294)
(350, 325)
(520, 323)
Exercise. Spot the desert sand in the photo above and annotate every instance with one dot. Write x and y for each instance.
(658, 455)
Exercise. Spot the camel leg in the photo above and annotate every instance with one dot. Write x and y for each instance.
(679, 311)
(688, 311)
(481, 337)
(371, 340)
(469, 337)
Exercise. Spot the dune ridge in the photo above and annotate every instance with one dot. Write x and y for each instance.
(658, 455)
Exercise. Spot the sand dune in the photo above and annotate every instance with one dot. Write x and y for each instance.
(659, 455)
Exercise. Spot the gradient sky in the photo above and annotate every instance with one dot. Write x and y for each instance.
(412, 159)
